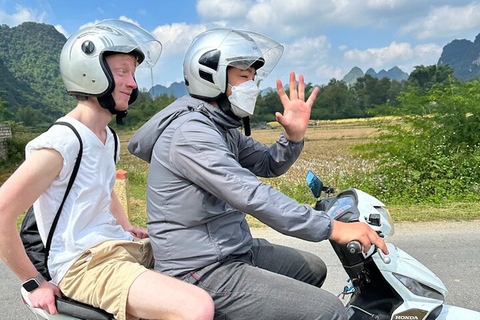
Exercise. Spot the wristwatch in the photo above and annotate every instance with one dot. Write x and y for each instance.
(33, 283)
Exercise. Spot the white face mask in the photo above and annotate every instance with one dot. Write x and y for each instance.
(243, 98)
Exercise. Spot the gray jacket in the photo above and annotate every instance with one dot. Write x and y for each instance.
(202, 181)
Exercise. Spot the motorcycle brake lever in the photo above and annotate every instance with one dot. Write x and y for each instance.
(384, 258)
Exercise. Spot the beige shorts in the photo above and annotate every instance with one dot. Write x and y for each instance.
(102, 276)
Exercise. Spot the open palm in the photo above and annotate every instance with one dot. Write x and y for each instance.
(296, 111)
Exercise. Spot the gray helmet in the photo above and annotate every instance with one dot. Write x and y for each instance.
(82, 61)
(211, 52)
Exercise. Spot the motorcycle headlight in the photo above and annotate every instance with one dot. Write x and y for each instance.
(418, 288)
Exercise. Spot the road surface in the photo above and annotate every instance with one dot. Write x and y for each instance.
(450, 249)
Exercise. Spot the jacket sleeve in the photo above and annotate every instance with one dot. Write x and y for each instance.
(201, 155)
(267, 161)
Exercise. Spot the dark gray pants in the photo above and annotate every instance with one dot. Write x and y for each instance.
(270, 282)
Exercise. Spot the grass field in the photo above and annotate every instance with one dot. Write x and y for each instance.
(327, 152)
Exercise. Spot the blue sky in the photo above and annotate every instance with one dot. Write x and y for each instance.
(323, 39)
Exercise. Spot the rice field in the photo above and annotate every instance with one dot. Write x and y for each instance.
(327, 152)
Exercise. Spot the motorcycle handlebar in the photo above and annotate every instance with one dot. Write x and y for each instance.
(355, 247)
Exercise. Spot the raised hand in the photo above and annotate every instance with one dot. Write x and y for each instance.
(296, 112)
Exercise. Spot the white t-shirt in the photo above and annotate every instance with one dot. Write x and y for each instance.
(86, 219)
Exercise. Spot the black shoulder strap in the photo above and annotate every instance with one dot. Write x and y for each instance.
(69, 186)
(116, 144)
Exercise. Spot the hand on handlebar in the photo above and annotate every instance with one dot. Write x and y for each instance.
(347, 232)
(44, 297)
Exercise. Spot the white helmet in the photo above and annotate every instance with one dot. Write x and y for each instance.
(211, 52)
(82, 61)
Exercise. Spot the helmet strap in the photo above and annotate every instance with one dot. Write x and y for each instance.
(107, 102)
(225, 106)
(120, 116)
(246, 126)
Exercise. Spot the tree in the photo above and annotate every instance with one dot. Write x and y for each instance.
(4, 112)
(377, 96)
(425, 77)
(335, 101)
(27, 116)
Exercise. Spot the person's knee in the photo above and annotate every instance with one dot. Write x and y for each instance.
(206, 308)
(320, 272)
(201, 308)
(317, 270)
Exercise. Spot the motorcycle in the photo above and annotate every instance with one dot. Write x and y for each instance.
(382, 287)
(393, 287)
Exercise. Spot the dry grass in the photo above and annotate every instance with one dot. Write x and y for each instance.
(326, 152)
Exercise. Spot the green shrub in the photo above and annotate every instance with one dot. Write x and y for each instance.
(432, 157)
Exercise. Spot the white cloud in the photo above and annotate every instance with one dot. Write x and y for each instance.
(427, 52)
(396, 54)
(445, 22)
(288, 18)
(308, 51)
(62, 30)
(324, 73)
(127, 19)
(176, 37)
(379, 57)
(21, 15)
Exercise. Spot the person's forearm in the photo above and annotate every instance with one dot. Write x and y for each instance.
(13, 253)
(119, 213)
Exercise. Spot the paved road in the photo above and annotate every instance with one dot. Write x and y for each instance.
(451, 250)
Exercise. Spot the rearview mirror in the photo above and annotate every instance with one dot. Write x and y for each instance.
(314, 183)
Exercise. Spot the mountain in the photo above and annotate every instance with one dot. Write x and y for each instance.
(463, 56)
(394, 73)
(29, 69)
(351, 77)
(177, 89)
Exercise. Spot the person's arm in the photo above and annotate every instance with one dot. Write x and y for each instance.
(119, 213)
(17, 194)
(200, 154)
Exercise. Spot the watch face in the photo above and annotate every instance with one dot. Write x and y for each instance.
(30, 285)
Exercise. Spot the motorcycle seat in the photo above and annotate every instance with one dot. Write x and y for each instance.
(69, 307)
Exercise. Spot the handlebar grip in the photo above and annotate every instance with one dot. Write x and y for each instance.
(354, 247)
